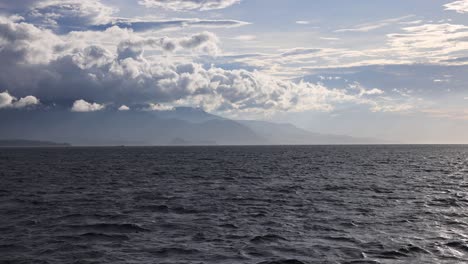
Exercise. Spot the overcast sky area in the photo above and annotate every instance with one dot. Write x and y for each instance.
(396, 70)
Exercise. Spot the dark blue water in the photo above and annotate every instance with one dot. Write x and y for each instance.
(322, 204)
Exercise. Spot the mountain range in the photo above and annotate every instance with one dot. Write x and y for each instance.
(180, 126)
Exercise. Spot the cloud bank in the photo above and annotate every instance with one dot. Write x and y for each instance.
(125, 68)
(77, 54)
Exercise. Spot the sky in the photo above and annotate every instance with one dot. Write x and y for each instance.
(394, 70)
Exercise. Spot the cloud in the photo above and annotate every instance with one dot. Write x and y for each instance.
(300, 51)
(187, 5)
(148, 24)
(124, 108)
(18, 5)
(63, 16)
(302, 22)
(365, 92)
(16, 45)
(329, 38)
(159, 107)
(82, 106)
(374, 25)
(133, 48)
(9, 101)
(245, 37)
(26, 101)
(6, 100)
(112, 66)
(374, 91)
(392, 108)
(460, 6)
(71, 12)
(436, 42)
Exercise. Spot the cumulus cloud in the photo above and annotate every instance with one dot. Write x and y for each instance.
(111, 66)
(124, 108)
(460, 6)
(133, 48)
(23, 42)
(186, 5)
(70, 13)
(9, 101)
(26, 101)
(122, 74)
(61, 15)
(373, 91)
(82, 106)
(6, 100)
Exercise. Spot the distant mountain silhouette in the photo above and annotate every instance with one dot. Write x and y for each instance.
(181, 126)
(288, 134)
(189, 114)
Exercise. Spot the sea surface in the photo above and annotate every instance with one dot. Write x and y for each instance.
(275, 205)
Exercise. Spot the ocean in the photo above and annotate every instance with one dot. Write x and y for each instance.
(269, 205)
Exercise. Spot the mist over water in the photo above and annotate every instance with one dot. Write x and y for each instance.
(317, 204)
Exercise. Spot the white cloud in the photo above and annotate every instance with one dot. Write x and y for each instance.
(148, 24)
(133, 48)
(83, 106)
(392, 108)
(6, 100)
(303, 22)
(124, 108)
(26, 101)
(430, 42)
(329, 38)
(245, 37)
(374, 25)
(9, 101)
(69, 11)
(159, 107)
(121, 73)
(186, 5)
(67, 14)
(460, 6)
(112, 66)
(25, 43)
(374, 91)
(64, 16)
